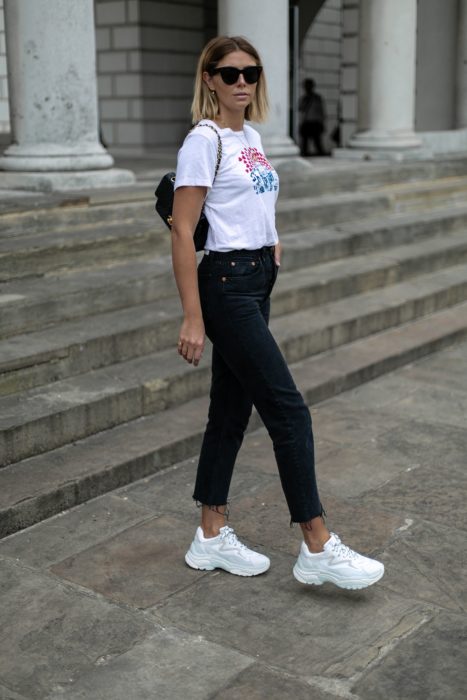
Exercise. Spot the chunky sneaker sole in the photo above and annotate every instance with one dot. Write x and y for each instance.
(350, 584)
(225, 552)
(337, 564)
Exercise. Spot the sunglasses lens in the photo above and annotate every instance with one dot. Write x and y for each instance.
(230, 75)
(251, 74)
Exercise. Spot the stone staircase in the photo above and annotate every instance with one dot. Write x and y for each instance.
(92, 392)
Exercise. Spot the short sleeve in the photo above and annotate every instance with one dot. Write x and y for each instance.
(196, 162)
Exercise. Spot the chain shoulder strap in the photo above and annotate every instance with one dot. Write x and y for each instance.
(219, 146)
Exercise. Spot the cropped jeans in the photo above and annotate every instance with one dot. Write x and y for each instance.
(248, 369)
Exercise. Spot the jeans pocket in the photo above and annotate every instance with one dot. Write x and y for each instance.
(242, 276)
(241, 268)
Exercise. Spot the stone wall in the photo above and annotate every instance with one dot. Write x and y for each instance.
(4, 114)
(146, 61)
(321, 59)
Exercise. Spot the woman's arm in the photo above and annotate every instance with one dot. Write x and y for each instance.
(188, 203)
(278, 253)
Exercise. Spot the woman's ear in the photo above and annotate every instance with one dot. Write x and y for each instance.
(208, 80)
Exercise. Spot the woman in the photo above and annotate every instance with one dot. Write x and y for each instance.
(228, 300)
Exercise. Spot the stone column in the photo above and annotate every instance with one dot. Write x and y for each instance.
(386, 98)
(461, 96)
(53, 94)
(265, 24)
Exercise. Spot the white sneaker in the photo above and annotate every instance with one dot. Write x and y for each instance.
(225, 552)
(338, 564)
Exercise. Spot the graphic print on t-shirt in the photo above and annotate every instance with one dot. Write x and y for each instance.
(260, 170)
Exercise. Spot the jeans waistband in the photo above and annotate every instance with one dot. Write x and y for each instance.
(243, 253)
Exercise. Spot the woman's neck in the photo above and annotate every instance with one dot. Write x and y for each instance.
(230, 121)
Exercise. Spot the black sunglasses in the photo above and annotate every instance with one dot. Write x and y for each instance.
(230, 75)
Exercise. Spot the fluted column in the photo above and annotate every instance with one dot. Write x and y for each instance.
(386, 99)
(265, 24)
(52, 87)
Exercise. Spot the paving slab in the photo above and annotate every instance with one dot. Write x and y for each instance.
(170, 665)
(7, 694)
(434, 484)
(434, 404)
(139, 567)
(428, 559)
(355, 470)
(304, 630)
(51, 633)
(341, 425)
(428, 665)
(261, 682)
(73, 530)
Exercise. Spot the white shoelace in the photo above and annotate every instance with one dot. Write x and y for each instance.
(341, 550)
(227, 533)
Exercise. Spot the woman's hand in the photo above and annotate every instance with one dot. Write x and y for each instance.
(191, 340)
(277, 253)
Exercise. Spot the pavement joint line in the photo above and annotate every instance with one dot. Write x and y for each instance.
(270, 667)
(394, 539)
(339, 687)
(342, 687)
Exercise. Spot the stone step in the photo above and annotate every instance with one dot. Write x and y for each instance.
(370, 203)
(42, 419)
(78, 213)
(70, 244)
(323, 209)
(76, 347)
(44, 485)
(38, 254)
(333, 176)
(320, 284)
(116, 231)
(29, 304)
(307, 247)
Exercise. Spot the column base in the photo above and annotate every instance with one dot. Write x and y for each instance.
(385, 140)
(279, 146)
(49, 157)
(374, 154)
(66, 180)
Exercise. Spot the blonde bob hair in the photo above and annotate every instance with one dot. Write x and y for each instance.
(205, 104)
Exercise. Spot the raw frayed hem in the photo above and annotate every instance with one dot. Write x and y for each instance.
(215, 508)
(307, 524)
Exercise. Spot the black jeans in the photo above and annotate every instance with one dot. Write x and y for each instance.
(248, 368)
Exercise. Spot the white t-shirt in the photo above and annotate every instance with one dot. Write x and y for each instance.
(240, 204)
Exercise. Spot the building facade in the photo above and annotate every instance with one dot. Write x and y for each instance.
(393, 74)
